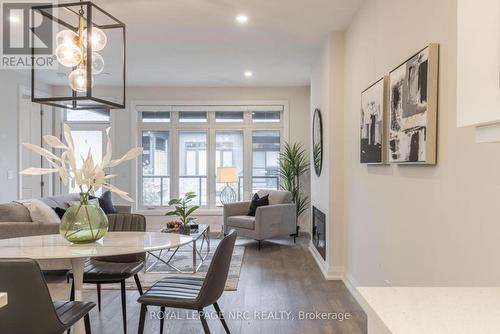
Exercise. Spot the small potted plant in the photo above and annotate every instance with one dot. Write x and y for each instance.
(183, 210)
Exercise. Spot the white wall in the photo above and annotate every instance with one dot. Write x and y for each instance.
(327, 80)
(415, 225)
(9, 128)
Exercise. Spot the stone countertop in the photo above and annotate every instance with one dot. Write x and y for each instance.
(432, 310)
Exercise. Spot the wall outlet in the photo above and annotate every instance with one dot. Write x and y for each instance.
(10, 175)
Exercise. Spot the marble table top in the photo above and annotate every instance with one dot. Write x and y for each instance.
(113, 243)
(3, 299)
(434, 310)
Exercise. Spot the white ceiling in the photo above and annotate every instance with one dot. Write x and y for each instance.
(198, 42)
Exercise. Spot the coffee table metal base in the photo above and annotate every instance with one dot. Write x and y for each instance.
(198, 253)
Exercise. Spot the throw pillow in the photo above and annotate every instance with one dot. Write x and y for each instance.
(106, 203)
(59, 211)
(40, 212)
(256, 202)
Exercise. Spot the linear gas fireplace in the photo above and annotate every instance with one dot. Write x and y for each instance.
(319, 231)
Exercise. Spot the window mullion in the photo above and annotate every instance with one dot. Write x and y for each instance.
(211, 185)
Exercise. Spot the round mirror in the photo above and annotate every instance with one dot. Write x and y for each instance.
(317, 133)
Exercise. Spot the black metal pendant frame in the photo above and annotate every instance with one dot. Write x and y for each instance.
(76, 102)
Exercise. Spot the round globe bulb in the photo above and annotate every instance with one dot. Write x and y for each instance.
(66, 37)
(97, 63)
(69, 55)
(78, 80)
(98, 39)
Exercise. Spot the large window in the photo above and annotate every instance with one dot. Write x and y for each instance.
(184, 146)
(265, 152)
(193, 164)
(229, 153)
(155, 168)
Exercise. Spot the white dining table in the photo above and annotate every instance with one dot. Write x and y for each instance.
(113, 243)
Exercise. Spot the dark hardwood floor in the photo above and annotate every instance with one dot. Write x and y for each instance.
(279, 278)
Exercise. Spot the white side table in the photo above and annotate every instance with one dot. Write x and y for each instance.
(3, 299)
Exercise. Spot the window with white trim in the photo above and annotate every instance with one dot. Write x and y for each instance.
(185, 144)
(88, 128)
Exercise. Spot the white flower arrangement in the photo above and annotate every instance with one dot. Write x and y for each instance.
(90, 177)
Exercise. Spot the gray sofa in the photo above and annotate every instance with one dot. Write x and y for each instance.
(274, 220)
(15, 221)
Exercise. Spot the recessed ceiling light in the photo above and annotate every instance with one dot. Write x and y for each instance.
(13, 19)
(248, 74)
(242, 19)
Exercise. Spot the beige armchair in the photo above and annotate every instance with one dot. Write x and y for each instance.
(274, 220)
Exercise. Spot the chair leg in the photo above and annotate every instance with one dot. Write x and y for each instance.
(124, 306)
(138, 283)
(204, 322)
(259, 243)
(86, 320)
(99, 296)
(72, 293)
(221, 317)
(162, 319)
(142, 319)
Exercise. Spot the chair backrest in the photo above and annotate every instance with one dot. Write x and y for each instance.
(216, 278)
(276, 196)
(29, 308)
(126, 222)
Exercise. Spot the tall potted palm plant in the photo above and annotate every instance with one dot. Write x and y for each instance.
(293, 167)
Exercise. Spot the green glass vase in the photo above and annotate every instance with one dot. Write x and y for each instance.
(84, 222)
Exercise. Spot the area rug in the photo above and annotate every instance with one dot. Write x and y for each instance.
(183, 260)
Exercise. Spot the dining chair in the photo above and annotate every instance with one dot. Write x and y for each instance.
(116, 269)
(30, 308)
(190, 292)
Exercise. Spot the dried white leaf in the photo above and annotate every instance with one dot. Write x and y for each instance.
(54, 142)
(38, 171)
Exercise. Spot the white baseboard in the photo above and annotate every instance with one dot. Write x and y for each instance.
(330, 273)
(351, 283)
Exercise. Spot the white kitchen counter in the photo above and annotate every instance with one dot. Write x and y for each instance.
(3, 299)
(433, 310)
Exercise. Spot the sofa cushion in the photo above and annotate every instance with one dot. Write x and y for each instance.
(40, 212)
(61, 201)
(276, 196)
(247, 222)
(14, 212)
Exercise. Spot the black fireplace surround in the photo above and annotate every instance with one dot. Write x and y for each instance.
(319, 231)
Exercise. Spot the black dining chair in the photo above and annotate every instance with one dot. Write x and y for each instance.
(30, 308)
(116, 269)
(192, 293)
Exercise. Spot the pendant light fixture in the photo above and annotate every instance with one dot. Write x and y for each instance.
(90, 54)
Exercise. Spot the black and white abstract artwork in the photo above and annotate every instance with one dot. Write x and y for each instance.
(372, 124)
(409, 110)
